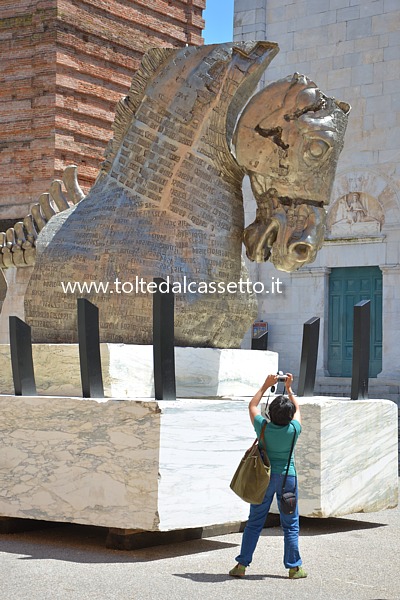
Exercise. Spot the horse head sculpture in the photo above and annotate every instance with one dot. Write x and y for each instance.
(168, 200)
(288, 139)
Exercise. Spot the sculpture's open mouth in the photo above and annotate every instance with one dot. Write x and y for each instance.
(259, 238)
(289, 232)
(288, 140)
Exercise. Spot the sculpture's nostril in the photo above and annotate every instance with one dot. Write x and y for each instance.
(301, 251)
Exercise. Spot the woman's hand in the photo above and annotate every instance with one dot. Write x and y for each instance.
(254, 402)
(288, 382)
(271, 380)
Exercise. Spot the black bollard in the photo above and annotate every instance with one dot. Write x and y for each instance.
(89, 349)
(260, 343)
(309, 355)
(259, 335)
(163, 342)
(21, 357)
(361, 334)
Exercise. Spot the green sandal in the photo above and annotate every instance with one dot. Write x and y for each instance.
(297, 573)
(238, 571)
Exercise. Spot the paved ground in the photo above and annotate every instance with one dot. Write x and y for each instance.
(353, 558)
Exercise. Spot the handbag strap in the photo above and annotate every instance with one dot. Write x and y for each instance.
(290, 458)
(261, 439)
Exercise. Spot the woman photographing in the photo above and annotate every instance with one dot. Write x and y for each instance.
(284, 428)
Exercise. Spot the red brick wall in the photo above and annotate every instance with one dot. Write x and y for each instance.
(27, 102)
(67, 63)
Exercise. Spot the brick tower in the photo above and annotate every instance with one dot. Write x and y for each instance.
(64, 66)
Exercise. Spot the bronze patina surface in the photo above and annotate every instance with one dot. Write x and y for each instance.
(168, 200)
(290, 151)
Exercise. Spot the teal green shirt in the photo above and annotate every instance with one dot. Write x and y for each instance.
(278, 440)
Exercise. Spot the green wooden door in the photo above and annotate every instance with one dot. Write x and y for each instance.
(347, 286)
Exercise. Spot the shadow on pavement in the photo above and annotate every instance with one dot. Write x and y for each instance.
(218, 577)
(309, 527)
(86, 544)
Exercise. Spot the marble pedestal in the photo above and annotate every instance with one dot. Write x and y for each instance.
(163, 466)
(128, 370)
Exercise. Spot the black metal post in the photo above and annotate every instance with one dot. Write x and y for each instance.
(309, 355)
(89, 349)
(21, 357)
(361, 335)
(260, 343)
(163, 342)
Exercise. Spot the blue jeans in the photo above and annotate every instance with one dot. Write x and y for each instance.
(289, 524)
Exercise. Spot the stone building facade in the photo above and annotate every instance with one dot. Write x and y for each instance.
(351, 49)
(65, 64)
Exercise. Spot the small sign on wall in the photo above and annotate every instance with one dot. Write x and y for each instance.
(259, 328)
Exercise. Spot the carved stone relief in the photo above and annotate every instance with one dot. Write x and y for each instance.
(356, 214)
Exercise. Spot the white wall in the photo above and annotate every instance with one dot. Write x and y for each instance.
(351, 49)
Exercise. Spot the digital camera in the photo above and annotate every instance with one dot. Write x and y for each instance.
(281, 376)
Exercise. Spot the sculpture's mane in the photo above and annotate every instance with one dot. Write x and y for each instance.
(257, 55)
(227, 91)
(127, 106)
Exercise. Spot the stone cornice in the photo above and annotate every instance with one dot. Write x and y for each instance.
(312, 271)
(354, 240)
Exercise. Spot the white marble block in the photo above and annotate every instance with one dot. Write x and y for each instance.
(159, 466)
(128, 370)
(346, 459)
(347, 456)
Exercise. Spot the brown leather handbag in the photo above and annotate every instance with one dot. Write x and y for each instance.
(252, 476)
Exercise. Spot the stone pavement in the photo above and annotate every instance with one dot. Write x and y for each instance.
(352, 558)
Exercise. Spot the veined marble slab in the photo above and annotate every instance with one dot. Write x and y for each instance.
(160, 466)
(80, 461)
(128, 370)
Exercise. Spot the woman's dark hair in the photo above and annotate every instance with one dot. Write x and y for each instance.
(281, 410)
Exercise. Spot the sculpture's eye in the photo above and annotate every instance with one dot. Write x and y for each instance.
(316, 149)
